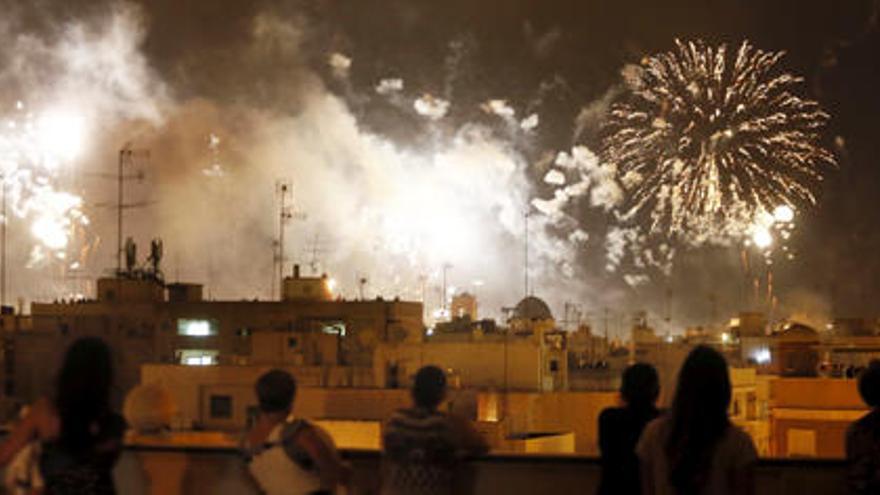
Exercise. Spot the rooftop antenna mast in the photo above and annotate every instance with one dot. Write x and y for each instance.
(3, 246)
(128, 156)
(284, 193)
(526, 248)
(444, 296)
(315, 251)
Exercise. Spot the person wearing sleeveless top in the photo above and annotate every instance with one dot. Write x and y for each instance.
(290, 456)
(76, 434)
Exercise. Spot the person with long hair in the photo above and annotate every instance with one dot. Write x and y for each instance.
(76, 433)
(620, 428)
(694, 449)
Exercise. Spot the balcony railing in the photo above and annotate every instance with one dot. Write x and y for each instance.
(221, 470)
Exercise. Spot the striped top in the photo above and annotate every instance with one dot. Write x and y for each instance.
(422, 452)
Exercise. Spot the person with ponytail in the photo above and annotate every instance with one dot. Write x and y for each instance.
(694, 449)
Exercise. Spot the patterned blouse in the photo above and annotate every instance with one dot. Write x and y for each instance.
(422, 453)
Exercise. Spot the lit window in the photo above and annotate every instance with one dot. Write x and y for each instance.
(335, 329)
(761, 356)
(196, 328)
(198, 357)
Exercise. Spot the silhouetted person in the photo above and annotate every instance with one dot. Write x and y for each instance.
(620, 428)
(694, 448)
(77, 435)
(290, 456)
(423, 447)
(863, 437)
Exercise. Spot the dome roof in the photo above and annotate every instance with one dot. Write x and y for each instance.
(532, 308)
(798, 331)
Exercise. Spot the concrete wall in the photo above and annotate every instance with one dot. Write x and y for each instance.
(809, 416)
(192, 387)
(145, 331)
(575, 412)
(520, 364)
(222, 472)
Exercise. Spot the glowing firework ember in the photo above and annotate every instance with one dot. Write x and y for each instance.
(31, 151)
(706, 141)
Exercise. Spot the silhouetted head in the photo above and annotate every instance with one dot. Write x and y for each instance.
(83, 390)
(429, 387)
(276, 390)
(703, 385)
(698, 417)
(869, 384)
(640, 386)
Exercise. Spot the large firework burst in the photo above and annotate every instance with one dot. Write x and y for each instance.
(705, 141)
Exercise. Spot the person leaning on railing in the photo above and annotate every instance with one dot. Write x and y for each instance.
(423, 448)
(694, 448)
(290, 456)
(620, 428)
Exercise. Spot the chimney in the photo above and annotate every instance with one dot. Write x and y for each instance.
(295, 271)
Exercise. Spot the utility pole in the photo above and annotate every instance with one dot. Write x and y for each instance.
(446, 267)
(605, 312)
(3, 248)
(282, 189)
(526, 248)
(125, 151)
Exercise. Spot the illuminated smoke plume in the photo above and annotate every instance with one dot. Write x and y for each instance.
(431, 107)
(68, 87)
(389, 86)
(340, 64)
(529, 123)
(499, 107)
(706, 141)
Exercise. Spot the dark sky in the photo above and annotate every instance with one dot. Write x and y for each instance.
(512, 46)
(509, 47)
(473, 50)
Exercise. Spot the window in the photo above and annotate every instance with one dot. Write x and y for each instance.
(337, 328)
(198, 357)
(554, 366)
(292, 343)
(243, 332)
(196, 328)
(221, 406)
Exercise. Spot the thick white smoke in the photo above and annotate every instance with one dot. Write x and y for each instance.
(63, 90)
(375, 209)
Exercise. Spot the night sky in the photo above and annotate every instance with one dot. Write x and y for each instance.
(559, 58)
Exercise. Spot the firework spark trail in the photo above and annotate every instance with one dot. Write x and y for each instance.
(32, 150)
(707, 142)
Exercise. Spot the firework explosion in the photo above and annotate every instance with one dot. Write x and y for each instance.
(33, 150)
(706, 143)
